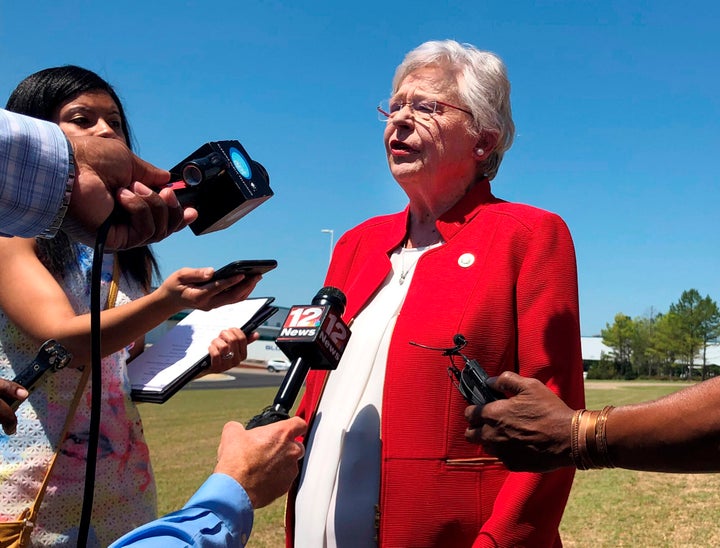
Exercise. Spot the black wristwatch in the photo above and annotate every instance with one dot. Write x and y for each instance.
(52, 356)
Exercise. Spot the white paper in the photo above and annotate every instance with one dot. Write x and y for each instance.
(186, 344)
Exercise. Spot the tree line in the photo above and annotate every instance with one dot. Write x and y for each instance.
(670, 344)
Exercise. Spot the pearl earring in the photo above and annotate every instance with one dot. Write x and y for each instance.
(479, 151)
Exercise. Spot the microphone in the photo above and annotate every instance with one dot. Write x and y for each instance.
(313, 337)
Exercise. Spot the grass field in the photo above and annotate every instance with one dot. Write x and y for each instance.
(606, 507)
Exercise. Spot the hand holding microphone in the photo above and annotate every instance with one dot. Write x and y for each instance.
(313, 337)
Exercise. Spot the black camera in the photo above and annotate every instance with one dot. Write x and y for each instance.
(222, 182)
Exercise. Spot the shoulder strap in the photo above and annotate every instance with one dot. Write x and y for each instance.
(114, 284)
(71, 414)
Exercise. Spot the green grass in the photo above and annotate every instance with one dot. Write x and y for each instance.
(627, 508)
(606, 507)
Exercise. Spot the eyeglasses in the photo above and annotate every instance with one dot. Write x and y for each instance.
(420, 108)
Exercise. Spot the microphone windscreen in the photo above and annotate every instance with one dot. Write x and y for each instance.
(331, 296)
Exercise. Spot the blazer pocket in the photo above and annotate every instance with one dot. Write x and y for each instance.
(473, 462)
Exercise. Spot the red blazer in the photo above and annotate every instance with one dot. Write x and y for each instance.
(517, 306)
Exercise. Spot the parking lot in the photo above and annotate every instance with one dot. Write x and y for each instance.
(239, 377)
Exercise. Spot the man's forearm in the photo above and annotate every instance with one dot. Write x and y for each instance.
(34, 168)
(218, 515)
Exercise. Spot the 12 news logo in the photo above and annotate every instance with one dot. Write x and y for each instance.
(303, 321)
(307, 323)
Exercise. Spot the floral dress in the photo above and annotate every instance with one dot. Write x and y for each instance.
(124, 485)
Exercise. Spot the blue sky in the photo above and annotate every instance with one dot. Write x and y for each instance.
(616, 104)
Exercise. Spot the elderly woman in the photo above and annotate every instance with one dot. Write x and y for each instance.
(387, 459)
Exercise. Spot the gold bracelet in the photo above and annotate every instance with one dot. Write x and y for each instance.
(574, 437)
(601, 438)
(591, 440)
(587, 419)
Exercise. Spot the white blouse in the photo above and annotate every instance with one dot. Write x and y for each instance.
(340, 479)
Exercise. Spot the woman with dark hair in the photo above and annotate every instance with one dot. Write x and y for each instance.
(45, 294)
(41, 95)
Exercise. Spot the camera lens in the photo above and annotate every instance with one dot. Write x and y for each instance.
(197, 171)
(192, 174)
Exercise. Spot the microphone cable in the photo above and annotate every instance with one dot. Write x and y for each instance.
(96, 382)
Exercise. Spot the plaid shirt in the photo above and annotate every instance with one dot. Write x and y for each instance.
(34, 165)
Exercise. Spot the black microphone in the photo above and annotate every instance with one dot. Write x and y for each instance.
(313, 337)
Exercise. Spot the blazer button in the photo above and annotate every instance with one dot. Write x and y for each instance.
(466, 260)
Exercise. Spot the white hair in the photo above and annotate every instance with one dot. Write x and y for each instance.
(482, 84)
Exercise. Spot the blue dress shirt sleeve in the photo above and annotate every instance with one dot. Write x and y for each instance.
(218, 515)
(34, 169)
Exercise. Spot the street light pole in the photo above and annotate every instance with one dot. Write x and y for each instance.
(332, 236)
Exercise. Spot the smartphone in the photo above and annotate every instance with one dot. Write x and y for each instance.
(249, 267)
(260, 318)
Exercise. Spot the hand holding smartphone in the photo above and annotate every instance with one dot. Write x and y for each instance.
(249, 267)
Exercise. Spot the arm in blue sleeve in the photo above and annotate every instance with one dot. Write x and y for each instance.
(218, 515)
(34, 168)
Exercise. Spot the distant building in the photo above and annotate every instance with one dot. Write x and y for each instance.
(265, 349)
(593, 349)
